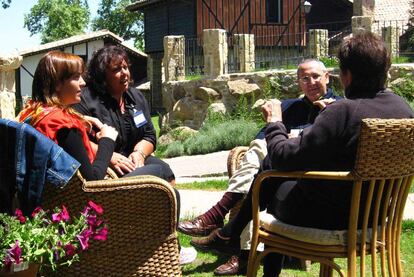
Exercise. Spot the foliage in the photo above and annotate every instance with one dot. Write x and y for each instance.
(212, 137)
(5, 3)
(193, 77)
(52, 241)
(402, 59)
(219, 132)
(272, 89)
(113, 16)
(57, 19)
(243, 110)
(155, 123)
(405, 88)
(174, 149)
(330, 61)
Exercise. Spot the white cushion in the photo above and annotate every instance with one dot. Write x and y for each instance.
(306, 234)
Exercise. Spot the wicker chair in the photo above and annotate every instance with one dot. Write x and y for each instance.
(233, 163)
(384, 163)
(141, 216)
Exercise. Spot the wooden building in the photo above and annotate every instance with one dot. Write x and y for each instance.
(263, 18)
(273, 22)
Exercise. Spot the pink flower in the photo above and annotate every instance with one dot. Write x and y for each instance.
(84, 238)
(15, 253)
(91, 220)
(70, 250)
(101, 234)
(86, 210)
(19, 214)
(36, 211)
(97, 208)
(7, 262)
(65, 214)
(62, 216)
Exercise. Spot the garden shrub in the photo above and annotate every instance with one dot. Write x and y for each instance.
(174, 149)
(222, 136)
(405, 89)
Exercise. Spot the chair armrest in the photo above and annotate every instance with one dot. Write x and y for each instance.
(326, 175)
(234, 159)
(111, 173)
(141, 215)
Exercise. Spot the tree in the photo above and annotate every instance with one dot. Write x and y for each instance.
(113, 16)
(57, 19)
(5, 3)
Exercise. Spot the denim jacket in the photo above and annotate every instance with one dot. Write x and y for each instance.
(30, 160)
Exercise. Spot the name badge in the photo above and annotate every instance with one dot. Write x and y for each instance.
(139, 119)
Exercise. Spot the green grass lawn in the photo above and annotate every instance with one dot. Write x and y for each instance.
(206, 185)
(205, 263)
(154, 120)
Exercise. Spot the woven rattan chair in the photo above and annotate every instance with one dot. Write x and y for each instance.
(233, 163)
(141, 216)
(384, 163)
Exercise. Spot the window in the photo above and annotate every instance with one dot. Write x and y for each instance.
(274, 11)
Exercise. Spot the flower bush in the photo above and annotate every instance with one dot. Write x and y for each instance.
(49, 240)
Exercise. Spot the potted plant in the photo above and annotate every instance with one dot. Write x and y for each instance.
(47, 240)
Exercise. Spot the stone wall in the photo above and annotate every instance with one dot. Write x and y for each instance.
(187, 102)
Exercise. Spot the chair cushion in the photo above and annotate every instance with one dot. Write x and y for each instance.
(306, 234)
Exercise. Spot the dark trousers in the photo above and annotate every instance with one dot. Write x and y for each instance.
(156, 167)
(288, 202)
(273, 262)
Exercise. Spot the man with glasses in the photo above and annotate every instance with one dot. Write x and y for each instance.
(296, 114)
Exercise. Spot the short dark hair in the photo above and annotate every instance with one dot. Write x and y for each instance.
(101, 59)
(367, 58)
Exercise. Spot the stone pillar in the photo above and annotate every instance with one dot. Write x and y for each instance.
(174, 58)
(215, 52)
(391, 37)
(244, 49)
(364, 7)
(318, 43)
(8, 65)
(361, 23)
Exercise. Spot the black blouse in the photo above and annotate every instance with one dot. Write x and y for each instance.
(133, 125)
(71, 141)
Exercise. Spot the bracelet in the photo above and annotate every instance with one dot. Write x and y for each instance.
(141, 153)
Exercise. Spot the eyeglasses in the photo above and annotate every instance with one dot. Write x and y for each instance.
(307, 79)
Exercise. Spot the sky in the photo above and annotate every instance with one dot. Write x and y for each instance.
(13, 36)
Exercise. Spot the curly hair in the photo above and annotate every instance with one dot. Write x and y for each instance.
(101, 59)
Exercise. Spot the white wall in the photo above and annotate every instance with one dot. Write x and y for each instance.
(26, 80)
(30, 63)
(93, 46)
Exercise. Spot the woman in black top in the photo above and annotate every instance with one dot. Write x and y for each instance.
(110, 98)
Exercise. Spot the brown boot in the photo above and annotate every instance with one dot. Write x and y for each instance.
(197, 227)
(214, 242)
(233, 266)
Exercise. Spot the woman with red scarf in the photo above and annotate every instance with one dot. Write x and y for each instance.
(57, 85)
